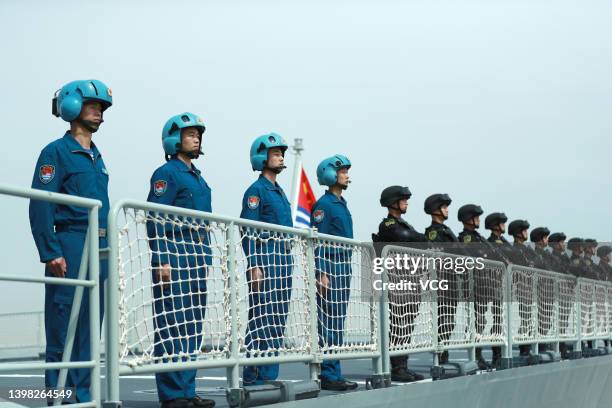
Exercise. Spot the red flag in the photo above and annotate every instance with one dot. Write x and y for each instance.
(305, 202)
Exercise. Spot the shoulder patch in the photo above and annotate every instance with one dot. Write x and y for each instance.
(160, 187)
(433, 234)
(318, 216)
(389, 222)
(467, 239)
(253, 202)
(46, 173)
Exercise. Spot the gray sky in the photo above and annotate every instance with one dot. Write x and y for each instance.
(502, 103)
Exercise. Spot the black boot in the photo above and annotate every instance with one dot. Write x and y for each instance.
(443, 357)
(402, 374)
(482, 364)
(497, 357)
(525, 350)
(198, 402)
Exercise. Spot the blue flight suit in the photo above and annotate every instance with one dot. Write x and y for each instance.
(179, 306)
(64, 166)
(268, 307)
(330, 215)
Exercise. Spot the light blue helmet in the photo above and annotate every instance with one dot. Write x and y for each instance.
(68, 101)
(327, 170)
(171, 134)
(260, 147)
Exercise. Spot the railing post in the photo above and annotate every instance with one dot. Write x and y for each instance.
(315, 364)
(578, 318)
(535, 316)
(385, 326)
(94, 304)
(508, 315)
(234, 393)
(112, 312)
(556, 312)
(433, 275)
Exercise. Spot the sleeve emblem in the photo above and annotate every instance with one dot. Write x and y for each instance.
(46, 173)
(318, 216)
(253, 202)
(160, 187)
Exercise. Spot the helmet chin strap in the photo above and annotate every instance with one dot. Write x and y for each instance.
(439, 213)
(194, 155)
(396, 207)
(472, 224)
(90, 125)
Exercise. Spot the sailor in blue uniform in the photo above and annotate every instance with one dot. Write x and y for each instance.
(330, 215)
(180, 257)
(270, 266)
(71, 165)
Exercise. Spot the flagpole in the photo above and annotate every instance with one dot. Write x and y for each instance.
(297, 148)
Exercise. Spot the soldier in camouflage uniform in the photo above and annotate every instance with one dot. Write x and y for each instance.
(520, 255)
(403, 307)
(605, 270)
(496, 223)
(545, 284)
(442, 237)
(561, 264)
(485, 290)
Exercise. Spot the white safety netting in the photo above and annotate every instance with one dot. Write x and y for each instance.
(181, 314)
(274, 310)
(469, 307)
(567, 307)
(523, 298)
(489, 296)
(177, 276)
(346, 311)
(411, 325)
(602, 324)
(586, 297)
(545, 293)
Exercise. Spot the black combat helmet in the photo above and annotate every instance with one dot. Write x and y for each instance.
(393, 194)
(537, 234)
(603, 251)
(494, 219)
(468, 211)
(517, 226)
(435, 201)
(556, 237)
(574, 244)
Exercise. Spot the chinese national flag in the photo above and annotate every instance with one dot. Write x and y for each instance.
(305, 202)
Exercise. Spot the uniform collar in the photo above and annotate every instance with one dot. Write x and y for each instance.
(334, 198)
(437, 224)
(74, 146)
(180, 165)
(268, 184)
(471, 232)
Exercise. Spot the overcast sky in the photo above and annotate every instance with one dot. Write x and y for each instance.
(506, 104)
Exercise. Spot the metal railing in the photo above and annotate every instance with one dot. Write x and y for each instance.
(470, 312)
(496, 305)
(319, 325)
(88, 277)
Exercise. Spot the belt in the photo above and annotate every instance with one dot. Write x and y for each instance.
(79, 228)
